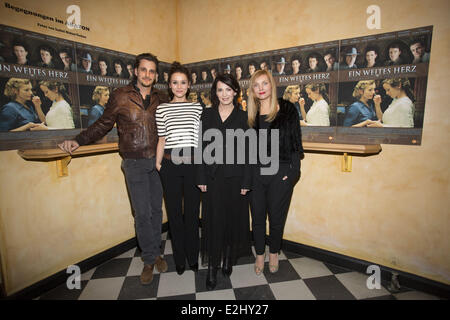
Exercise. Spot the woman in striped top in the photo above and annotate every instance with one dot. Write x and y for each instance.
(178, 125)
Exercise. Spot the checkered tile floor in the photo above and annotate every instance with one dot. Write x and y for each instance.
(298, 278)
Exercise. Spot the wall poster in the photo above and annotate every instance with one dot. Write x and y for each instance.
(365, 90)
(48, 83)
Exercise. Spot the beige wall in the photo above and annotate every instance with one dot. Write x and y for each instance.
(392, 209)
(131, 26)
(48, 223)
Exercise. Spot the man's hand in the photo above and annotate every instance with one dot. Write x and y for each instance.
(69, 146)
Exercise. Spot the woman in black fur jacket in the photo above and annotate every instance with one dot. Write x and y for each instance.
(272, 189)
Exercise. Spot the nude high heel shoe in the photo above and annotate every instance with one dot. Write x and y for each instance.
(273, 268)
(259, 270)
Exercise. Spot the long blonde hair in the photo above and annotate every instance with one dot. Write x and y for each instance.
(254, 104)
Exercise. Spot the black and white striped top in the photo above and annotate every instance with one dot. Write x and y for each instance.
(179, 123)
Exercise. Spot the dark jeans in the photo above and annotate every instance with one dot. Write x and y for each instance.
(145, 191)
(271, 195)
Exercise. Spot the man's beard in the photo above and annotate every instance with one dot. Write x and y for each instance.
(146, 85)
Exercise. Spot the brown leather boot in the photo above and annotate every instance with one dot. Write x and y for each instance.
(161, 264)
(147, 274)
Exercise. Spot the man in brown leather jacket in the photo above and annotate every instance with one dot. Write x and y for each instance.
(133, 108)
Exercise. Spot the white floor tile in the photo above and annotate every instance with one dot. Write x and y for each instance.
(172, 284)
(136, 267)
(102, 289)
(356, 283)
(244, 276)
(168, 247)
(216, 295)
(291, 290)
(309, 268)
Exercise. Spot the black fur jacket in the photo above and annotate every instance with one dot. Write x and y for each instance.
(290, 136)
(288, 124)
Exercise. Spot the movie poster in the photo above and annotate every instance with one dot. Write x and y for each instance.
(365, 90)
(376, 81)
(203, 75)
(382, 79)
(47, 83)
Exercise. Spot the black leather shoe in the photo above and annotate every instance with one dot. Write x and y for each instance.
(211, 278)
(180, 269)
(194, 267)
(227, 268)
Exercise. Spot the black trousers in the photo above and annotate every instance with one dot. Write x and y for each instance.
(179, 184)
(271, 196)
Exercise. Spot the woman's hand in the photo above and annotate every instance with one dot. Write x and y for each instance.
(303, 123)
(375, 124)
(37, 102)
(244, 191)
(202, 187)
(39, 127)
(158, 166)
(377, 99)
(25, 127)
(301, 102)
(362, 124)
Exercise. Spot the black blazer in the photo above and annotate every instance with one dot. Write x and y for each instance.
(236, 120)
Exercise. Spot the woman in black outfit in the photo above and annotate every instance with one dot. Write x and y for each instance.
(178, 124)
(226, 230)
(271, 194)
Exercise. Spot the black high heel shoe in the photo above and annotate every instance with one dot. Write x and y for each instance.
(211, 278)
(194, 267)
(227, 268)
(180, 269)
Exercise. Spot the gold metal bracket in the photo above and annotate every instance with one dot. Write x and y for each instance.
(62, 168)
(346, 162)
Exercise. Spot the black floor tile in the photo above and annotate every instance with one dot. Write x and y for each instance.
(63, 293)
(245, 260)
(112, 268)
(223, 282)
(181, 297)
(132, 288)
(262, 292)
(328, 288)
(285, 272)
(291, 255)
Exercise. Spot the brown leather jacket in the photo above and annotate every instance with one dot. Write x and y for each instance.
(136, 126)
